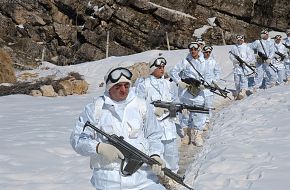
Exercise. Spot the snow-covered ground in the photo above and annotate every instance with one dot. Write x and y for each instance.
(248, 146)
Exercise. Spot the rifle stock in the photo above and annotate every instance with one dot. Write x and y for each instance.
(134, 157)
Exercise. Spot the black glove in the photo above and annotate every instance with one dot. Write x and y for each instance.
(191, 81)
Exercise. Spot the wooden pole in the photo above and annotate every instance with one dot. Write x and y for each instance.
(107, 47)
(167, 40)
(43, 53)
(223, 37)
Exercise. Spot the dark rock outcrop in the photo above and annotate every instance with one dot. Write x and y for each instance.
(72, 31)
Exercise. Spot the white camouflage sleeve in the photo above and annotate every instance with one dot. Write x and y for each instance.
(153, 132)
(83, 142)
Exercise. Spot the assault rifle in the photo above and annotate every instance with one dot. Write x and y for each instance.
(281, 55)
(174, 107)
(288, 47)
(242, 63)
(134, 157)
(264, 58)
(214, 88)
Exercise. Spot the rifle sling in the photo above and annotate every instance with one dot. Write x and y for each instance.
(271, 65)
(195, 69)
(263, 48)
(207, 84)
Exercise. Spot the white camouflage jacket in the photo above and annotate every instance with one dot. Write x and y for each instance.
(153, 89)
(182, 70)
(246, 54)
(268, 50)
(287, 42)
(277, 61)
(212, 73)
(132, 119)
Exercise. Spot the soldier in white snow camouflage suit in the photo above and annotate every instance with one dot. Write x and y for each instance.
(119, 111)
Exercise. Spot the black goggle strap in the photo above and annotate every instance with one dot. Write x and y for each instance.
(117, 73)
(160, 61)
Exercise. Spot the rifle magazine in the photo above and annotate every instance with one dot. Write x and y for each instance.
(131, 167)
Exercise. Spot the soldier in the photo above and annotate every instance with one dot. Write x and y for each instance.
(212, 75)
(241, 51)
(119, 111)
(279, 59)
(189, 67)
(153, 88)
(266, 50)
(286, 43)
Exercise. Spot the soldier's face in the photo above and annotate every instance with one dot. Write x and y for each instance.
(159, 71)
(240, 42)
(206, 54)
(194, 52)
(120, 91)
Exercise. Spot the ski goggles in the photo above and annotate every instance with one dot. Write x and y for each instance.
(193, 45)
(207, 49)
(278, 37)
(240, 37)
(115, 75)
(200, 41)
(264, 32)
(160, 61)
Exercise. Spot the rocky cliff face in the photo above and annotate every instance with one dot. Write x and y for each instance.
(72, 31)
